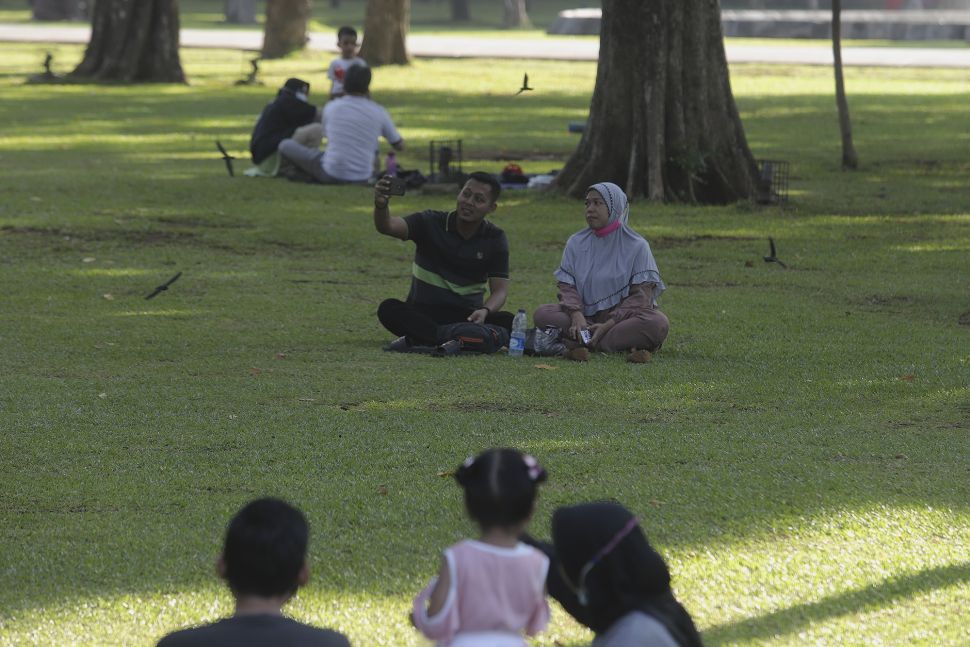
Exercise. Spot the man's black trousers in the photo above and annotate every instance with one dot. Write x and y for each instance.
(419, 322)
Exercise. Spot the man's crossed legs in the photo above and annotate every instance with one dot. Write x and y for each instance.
(419, 322)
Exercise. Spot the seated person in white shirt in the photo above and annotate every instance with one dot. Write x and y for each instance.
(352, 125)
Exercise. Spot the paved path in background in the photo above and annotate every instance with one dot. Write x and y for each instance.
(562, 48)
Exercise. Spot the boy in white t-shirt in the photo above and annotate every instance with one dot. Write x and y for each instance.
(347, 42)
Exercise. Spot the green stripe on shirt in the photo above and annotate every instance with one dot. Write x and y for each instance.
(438, 281)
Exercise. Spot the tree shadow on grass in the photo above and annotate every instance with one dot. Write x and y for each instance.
(910, 163)
(909, 157)
(790, 620)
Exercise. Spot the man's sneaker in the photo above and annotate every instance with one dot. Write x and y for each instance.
(399, 345)
(448, 349)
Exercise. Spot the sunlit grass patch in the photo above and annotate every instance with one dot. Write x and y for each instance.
(831, 577)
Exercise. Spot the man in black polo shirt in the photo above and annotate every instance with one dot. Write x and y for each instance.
(458, 257)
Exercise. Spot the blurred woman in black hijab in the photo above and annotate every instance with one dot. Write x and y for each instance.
(605, 574)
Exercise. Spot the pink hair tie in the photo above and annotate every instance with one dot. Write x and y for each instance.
(532, 465)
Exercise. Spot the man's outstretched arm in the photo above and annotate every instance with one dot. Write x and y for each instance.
(384, 222)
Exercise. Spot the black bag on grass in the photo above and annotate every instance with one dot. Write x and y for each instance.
(475, 338)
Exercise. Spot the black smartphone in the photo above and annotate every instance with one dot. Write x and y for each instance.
(397, 186)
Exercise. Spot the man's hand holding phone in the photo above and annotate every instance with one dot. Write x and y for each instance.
(385, 188)
(397, 185)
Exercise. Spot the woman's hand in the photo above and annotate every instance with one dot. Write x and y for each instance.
(599, 331)
(578, 323)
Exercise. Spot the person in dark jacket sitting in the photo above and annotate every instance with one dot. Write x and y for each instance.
(289, 116)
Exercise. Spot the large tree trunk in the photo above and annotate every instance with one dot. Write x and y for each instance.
(849, 158)
(60, 9)
(286, 27)
(663, 122)
(133, 40)
(386, 25)
(460, 10)
(516, 16)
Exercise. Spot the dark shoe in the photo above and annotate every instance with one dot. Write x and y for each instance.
(580, 354)
(639, 356)
(448, 349)
(399, 345)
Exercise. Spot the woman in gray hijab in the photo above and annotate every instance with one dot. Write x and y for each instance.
(608, 282)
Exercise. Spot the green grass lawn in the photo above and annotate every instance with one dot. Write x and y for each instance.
(799, 450)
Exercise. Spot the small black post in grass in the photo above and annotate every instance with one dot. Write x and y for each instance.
(47, 76)
(251, 78)
(773, 181)
(443, 153)
(227, 158)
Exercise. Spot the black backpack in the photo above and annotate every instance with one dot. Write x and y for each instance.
(475, 338)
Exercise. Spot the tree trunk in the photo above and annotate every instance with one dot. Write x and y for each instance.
(386, 25)
(286, 27)
(59, 10)
(662, 121)
(241, 11)
(516, 16)
(460, 10)
(133, 40)
(849, 158)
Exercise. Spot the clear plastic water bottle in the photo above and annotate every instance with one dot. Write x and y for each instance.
(517, 341)
(391, 165)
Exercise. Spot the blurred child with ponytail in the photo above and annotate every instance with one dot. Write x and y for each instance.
(490, 590)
